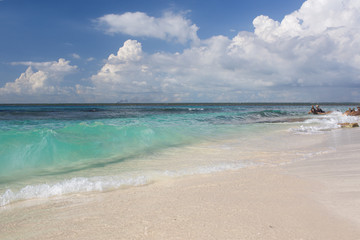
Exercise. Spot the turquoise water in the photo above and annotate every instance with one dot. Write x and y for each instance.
(48, 150)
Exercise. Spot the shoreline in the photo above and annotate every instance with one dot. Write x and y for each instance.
(254, 203)
(338, 172)
(313, 198)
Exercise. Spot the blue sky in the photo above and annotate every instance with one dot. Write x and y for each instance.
(179, 51)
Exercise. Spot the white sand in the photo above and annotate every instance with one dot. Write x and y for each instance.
(338, 172)
(317, 198)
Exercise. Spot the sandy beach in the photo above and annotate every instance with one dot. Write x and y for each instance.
(180, 120)
(315, 198)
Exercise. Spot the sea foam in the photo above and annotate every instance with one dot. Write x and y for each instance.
(49, 151)
(74, 185)
(104, 183)
(321, 123)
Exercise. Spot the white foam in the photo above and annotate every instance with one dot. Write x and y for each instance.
(74, 185)
(321, 123)
(99, 184)
(206, 169)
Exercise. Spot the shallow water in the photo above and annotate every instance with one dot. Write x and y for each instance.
(50, 150)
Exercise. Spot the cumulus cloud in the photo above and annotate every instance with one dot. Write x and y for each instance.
(28, 81)
(320, 39)
(45, 80)
(55, 68)
(126, 60)
(122, 73)
(138, 24)
(310, 55)
(313, 18)
(199, 72)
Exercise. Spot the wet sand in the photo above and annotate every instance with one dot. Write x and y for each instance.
(338, 173)
(314, 198)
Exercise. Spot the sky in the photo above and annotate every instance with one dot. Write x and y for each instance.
(144, 51)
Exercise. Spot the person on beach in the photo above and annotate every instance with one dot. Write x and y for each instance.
(347, 112)
(312, 110)
(355, 113)
(318, 109)
(351, 112)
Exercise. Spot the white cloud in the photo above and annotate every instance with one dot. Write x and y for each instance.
(168, 27)
(313, 18)
(54, 68)
(312, 53)
(75, 55)
(28, 82)
(122, 73)
(125, 61)
(45, 80)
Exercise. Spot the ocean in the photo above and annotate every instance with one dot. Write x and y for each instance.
(58, 150)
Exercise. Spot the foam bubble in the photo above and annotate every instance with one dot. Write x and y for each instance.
(321, 123)
(74, 185)
(99, 184)
(206, 169)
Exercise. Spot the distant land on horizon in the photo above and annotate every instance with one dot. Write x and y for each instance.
(184, 103)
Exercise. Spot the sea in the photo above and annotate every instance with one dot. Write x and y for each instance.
(48, 151)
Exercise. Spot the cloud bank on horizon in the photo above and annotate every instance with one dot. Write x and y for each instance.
(311, 55)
